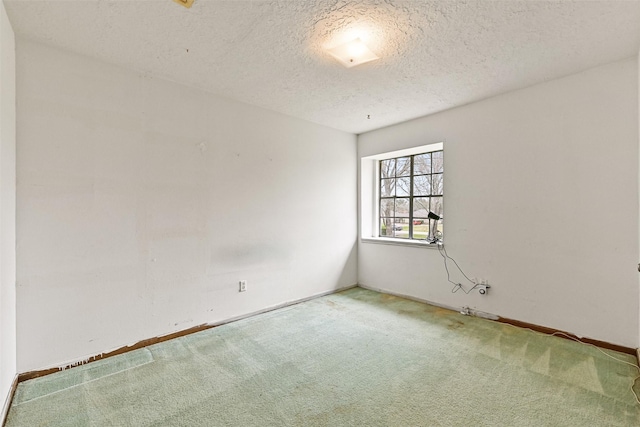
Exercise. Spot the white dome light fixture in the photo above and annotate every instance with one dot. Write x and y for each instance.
(353, 53)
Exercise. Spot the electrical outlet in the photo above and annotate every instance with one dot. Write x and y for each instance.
(243, 286)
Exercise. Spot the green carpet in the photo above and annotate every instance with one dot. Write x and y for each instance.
(356, 358)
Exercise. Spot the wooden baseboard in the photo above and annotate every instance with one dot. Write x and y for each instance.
(155, 340)
(147, 342)
(7, 403)
(568, 335)
(140, 344)
(520, 324)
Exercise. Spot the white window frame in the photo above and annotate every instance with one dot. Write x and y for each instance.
(370, 195)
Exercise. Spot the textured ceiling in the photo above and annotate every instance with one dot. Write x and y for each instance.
(434, 54)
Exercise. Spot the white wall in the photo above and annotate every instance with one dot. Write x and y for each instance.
(541, 199)
(142, 203)
(7, 209)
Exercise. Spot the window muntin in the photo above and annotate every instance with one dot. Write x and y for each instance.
(410, 188)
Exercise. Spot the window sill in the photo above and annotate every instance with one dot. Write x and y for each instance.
(399, 242)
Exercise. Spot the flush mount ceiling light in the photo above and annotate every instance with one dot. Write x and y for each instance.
(352, 53)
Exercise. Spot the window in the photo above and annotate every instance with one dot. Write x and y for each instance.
(414, 180)
(411, 192)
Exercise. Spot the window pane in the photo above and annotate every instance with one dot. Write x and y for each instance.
(436, 205)
(421, 185)
(403, 166)
(437, 162)
(402, 187)
(420, 207)
(420, 228)
(386, 227)
(401, 229)
(436, 184)
(388, 168)
(437, 229)
(387, 187)
(386, 207)
(402, 208)
(422, 164)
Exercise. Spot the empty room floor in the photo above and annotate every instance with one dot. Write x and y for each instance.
(353, 358)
